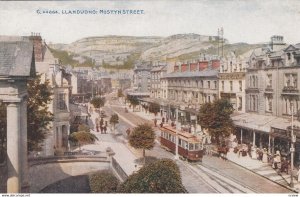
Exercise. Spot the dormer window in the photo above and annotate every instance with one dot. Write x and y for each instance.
(288, 56)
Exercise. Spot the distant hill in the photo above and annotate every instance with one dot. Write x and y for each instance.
(123, 51)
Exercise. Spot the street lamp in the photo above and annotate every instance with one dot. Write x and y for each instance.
(176, 140)
(177, 128)
(292, 150)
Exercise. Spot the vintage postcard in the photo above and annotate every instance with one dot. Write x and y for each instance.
(198, 97)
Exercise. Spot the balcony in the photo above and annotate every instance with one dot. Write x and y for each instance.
(269, 89)
(290, 90)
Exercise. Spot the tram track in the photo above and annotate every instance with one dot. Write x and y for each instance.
(220, 183)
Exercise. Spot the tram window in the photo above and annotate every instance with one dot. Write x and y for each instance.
(169, 136)
(197, 145)
(191, 146)
(179, 142)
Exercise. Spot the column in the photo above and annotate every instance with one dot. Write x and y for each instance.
(253, 138)
(23, 148)
(273, 145)
(13, 148)
(269, 145)
(241, 135)
(260, 142)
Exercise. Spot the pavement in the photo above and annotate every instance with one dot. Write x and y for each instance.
(258, 167)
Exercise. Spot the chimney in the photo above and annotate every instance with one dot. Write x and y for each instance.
(184, 67)
(215, 64)
(37, 46)
(193, 66)
(203, 64)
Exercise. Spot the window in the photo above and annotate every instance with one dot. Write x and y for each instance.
(197, 146)
(240, 85)
(191, 146)
(231, 86)
(269, 82)
(201, 83)
(240, 105)
(222, 85)
(61, 101)
(215, 82)
(288, 56)
(208, 84)
(268, 104)
(290, 80)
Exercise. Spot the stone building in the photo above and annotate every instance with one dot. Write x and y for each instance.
(272, 96)
(17, 65)
(60, 82)
(158, 71)
(232, 80)
(188, 87)
(142, 77)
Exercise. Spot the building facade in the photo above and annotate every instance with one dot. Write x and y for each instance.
(157, 73)
(60, 83)
(142, 77)
(232, 80)
(272, 97)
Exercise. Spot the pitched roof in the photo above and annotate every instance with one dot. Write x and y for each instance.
(16, 58)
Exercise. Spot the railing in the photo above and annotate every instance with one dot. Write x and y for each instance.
(119, 169)
(290, 89)
(269, 89)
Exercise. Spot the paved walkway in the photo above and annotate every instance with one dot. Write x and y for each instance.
(122, 155)
(256, 166)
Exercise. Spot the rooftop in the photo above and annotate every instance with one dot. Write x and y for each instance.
(16, 58)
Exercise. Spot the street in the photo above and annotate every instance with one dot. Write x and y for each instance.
(213, 175)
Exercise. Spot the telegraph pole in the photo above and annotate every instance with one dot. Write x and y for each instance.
(292, 150)
(176, 144)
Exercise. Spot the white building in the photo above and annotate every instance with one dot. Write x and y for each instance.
(50, 69)
(232, 79)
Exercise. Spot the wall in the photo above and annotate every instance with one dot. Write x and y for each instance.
(45, 171)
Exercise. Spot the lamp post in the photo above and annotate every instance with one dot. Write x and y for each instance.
(176, 140)
(292, 150)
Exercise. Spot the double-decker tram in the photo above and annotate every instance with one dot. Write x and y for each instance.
(189, 146)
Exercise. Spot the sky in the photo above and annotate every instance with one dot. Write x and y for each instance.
(250, 21)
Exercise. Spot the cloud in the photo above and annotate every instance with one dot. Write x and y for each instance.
(243, 21)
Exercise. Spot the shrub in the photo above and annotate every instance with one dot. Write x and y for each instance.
(103, 182)
(161, 176)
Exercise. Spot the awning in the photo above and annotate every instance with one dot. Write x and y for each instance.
(262, 122)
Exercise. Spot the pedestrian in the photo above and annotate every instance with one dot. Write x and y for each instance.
(97, 124)
(265, 156)
(105, 128)
(101, 129)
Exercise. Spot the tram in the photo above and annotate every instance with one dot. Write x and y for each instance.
(189, 146)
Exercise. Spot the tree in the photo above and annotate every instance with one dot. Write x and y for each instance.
(134, 101)
(114, 119)
(154, 108)
(216, 118)
(142, 137)
(103, 182)
(98, 102)
(81, 138)
(161, 176)
(38, 114)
